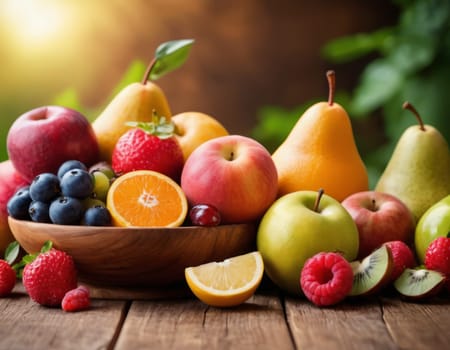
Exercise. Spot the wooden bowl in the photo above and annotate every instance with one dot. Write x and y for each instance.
(135, 257)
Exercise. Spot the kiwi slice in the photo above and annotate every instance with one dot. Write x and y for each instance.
(419, 284)
(373, 272)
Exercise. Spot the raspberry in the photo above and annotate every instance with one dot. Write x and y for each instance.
(326, 278)
(49, 277)
(7, 278)
(76, 299)
(437, 257)
(403, 257)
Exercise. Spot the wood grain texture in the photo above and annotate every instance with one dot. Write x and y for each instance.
(350, 325)
(137, 256)
(257, 324)
(418, 325)
(27, 325)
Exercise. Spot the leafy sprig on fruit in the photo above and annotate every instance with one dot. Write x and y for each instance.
(159, 126)
(12, 253)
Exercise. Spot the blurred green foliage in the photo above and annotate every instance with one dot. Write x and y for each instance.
(69, 97)
(409, 62)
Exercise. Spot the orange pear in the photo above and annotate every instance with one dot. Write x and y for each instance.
(320, 152)
(136, 102)
(194, 128)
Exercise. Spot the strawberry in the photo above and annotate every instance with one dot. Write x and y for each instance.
(8, 269)
(49, 276)
(7, 278)
(149, 146)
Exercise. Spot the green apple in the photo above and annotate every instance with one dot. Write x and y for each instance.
(435, 222)
(296, 227)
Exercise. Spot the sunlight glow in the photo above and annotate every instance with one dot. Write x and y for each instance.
(34, 22)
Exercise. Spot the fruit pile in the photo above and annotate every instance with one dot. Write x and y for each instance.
(322, 233)
(49, 277)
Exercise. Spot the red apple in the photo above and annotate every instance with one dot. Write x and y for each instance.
(42, 139)
(380, 218)
(10, 182)
(233, 173)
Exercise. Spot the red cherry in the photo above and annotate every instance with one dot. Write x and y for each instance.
(204, 215)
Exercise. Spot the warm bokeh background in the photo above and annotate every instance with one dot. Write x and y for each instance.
(247, 54)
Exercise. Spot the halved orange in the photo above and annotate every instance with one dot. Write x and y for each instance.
(146, 198)
(227, 283)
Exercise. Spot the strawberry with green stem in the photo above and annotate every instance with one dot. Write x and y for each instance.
(149, 146)
(7, 269)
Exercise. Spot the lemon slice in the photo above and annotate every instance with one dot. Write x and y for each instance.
(227, 283)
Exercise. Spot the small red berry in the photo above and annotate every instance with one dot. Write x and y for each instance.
(76, 299)
(437, 257)
(49, 277)
(204, 215)
(7, 278)
(403, 257)
(326, 278)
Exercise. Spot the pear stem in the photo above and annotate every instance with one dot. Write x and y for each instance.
(148, 70)
(318, 198)
(409, 106)
(331, 76)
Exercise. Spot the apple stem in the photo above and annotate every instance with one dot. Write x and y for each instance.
(317, 202)
(374, 205)
(409, 106)
(148, 70)
(331, 76)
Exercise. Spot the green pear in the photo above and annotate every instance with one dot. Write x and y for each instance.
(418, 172)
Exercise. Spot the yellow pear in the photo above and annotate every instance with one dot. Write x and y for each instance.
(135, 102)
(194, 128)
(320, 152)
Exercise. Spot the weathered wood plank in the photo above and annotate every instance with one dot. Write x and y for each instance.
(27, 325)
(418, 325)
(349, 325)
(189, 324)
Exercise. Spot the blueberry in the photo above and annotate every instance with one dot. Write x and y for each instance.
(77, 183)
(97, 216)
(66, 211)
(45, 187)
(18, 204)
(39, 211)
(70, 165)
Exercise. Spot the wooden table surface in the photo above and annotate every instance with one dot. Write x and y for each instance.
(174, 319)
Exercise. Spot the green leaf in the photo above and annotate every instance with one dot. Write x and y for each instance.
(169, 56)
(29, 258)
(12, 252)
(133, 74)
(353, 47)
(380, 81)
(68, 98)
(47, 246)
(159, 126)
(413, 53)
(425, 18)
